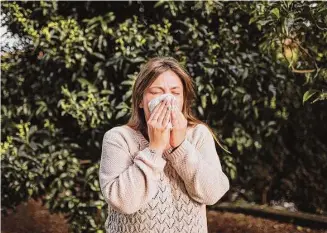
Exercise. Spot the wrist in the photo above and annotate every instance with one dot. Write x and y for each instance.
(175, 147)
(155, 148)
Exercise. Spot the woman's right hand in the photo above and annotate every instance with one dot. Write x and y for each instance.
(159, 133)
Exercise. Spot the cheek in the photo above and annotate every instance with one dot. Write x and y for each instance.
(146, 108)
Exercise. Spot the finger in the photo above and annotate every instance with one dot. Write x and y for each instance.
(155, 114)
(174, 120)
(173, 101)
(176, 106)
(152, 114)
(180, 115)
(166, 118)
(155, 110)
(182, 119)
(164, 112)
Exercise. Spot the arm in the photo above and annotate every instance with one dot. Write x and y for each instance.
(199, 166)
(127, 183)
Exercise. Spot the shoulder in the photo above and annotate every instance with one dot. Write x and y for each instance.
(122, 135)
(198, 134)
(115, 131)
(199, 130)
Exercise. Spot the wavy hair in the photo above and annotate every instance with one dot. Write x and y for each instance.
(147, 75)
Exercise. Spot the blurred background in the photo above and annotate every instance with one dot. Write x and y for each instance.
(260, 71)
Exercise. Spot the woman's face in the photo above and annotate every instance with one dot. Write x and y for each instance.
(167, 82)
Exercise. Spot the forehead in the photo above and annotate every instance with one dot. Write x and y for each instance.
(167, 78)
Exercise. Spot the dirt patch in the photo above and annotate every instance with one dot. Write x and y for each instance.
(226, 222)
(33, 217)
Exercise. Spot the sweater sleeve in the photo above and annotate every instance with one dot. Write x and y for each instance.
(127, 183)
(198, 164)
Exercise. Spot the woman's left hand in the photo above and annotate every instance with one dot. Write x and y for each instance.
(178, 133)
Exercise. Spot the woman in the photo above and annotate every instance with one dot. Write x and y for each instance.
(157, 179)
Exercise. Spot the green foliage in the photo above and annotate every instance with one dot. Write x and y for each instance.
(34, 163)
(72, 82)
(295, 33)
(89, 107)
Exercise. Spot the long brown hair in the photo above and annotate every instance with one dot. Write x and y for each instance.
(147, 75)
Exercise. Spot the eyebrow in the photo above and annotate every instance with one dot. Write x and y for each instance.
(175, 87)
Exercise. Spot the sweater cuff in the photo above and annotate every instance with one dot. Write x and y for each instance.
(153, 160)
(181, 151)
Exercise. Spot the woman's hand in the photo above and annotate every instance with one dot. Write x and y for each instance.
(158, 131)
(179, 123)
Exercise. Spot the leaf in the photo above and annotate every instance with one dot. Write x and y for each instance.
(232, 173)
(308, 94)
(99, 55)
(30, 191)
(245, 73)
(200, 109)
(240, 90)
(159, 3)
(204, 101)
(214, 98)
(263, 22)
(87, 83)
(120, 114)
(224, 92)
(253, 19)
(275, 11)
(106, 92)
(137, 60)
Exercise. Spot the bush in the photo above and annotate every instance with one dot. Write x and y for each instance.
(69, 80)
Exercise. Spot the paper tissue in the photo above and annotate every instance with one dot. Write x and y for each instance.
(154, 102)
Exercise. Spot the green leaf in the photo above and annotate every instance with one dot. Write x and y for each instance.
(240, 90)
(308, 94)
(275, 11)
(159, 3)
(120, 114)
(99, 55)
(232, 174)
(253, 19)
(214, 98)
(224, 92)
(263, 22)
(204, 101)
(86, 83)
(30, 191)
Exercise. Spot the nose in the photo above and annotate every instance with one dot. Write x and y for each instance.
(167, 90)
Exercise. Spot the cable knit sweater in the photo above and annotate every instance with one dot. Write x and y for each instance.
(166, 193)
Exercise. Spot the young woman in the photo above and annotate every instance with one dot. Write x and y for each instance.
(157, 179)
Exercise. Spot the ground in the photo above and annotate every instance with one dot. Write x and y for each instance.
(32, 217)
(225, 222)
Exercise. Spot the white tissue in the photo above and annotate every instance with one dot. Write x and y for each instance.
(154, 102)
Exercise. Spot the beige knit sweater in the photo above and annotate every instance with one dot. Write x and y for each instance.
(165, 193)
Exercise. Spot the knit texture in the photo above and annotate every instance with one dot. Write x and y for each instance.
(164, 193)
